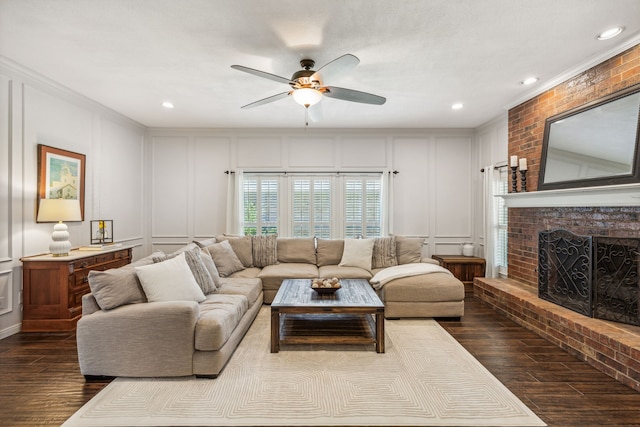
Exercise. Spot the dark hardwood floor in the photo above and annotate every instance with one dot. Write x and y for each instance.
(40, 383)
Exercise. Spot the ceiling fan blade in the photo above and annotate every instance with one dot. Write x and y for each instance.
(336, 68)
(353, 95)
(261, 74)
(315, 112)
(267, 100)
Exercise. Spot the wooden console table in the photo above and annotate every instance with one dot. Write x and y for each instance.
(465, 268)
(53, 286)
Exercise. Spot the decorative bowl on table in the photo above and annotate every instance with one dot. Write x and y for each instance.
(325, 286)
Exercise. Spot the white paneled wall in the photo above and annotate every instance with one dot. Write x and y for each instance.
(37, 111)
(211, 158)
(5, 174)
(432, 192)
(452, 188)
(412, 186)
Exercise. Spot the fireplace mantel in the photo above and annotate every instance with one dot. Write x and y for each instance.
(611, 195)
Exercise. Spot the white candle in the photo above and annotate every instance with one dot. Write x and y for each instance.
(514, 161)
(523, 164)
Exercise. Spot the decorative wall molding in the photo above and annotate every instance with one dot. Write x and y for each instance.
(6, 292)
(612, 195)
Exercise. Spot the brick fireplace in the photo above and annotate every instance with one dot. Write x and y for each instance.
(613, 349)
(526, 131)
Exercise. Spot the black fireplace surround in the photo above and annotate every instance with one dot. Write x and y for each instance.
(594, 276)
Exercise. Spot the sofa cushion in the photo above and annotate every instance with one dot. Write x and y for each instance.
(250, 288)
(264, 250)
(329, 251)
(219, 316)
(409, 249)
(297, 250)
(433, 287)
(225, 258)
(384, 252)
(247, 273)
(273, 275)
(329, 271)
(169, 280)
(115, 287)
(242, 246)
(357, 253)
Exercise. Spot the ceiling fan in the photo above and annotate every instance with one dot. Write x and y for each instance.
(307, 87)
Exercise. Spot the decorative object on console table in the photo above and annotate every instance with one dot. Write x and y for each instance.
(53, 286)
(464, 268)
(523, 175)
(514, 175)
(101, 232)
(58, 210)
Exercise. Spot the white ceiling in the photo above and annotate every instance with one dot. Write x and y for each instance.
(422, 55)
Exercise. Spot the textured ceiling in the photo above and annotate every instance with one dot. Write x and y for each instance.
(422, 55)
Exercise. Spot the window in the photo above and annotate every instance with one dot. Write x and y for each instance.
(502, 187)
(363, 207)
(325, 206)
(260, 196)
(311, 207)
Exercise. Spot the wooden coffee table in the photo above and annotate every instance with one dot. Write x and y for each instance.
(299, 315)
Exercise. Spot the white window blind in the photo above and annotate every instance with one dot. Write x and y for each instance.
(261, 206)
(324, 206)
(363, 207)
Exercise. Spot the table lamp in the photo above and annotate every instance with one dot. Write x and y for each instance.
(51, 210)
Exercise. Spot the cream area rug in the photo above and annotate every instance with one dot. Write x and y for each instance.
(425, 378)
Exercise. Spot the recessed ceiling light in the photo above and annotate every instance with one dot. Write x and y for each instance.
(457, 106)
(529, 81)
(167, 104)
(610, 33)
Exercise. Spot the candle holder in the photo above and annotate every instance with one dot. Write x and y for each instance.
(523, 180)
(514, 179)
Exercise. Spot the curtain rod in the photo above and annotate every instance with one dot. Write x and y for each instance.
(308, 172)
(495, 167)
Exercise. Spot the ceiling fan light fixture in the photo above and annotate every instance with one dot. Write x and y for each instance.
(306, 96)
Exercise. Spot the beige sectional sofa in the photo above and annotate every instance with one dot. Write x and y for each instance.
(433, 294)
(185, 313)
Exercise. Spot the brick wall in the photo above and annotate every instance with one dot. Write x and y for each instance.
(526, 131)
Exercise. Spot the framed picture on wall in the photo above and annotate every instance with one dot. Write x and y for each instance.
(61, 175)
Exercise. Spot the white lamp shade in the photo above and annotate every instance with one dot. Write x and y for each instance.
(54, 210)
(307, 96)
(58, 210)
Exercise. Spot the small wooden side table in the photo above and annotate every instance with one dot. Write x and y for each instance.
(465, 268)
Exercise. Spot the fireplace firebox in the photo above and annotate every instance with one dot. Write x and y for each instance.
(594, 276)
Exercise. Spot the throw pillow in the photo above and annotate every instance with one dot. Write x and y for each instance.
(225, 258)
(384, 252)
(329, 252)
(192, 254)
(205, 242)
(115, 287)
(242, 246)
(357, 253)
(264, 250)
(409, 249)
(169, 280)
(210, 266)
